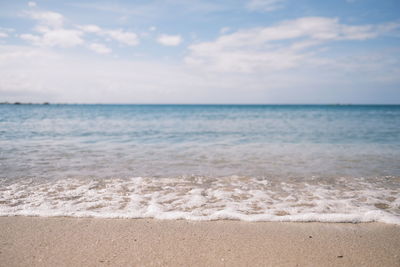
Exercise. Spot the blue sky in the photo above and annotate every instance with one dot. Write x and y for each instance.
(192, 51)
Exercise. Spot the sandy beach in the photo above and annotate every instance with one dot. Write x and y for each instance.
(61, 241)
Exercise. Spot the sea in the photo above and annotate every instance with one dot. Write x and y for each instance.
(326, 163)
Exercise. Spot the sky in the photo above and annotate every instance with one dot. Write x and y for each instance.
(200, 51)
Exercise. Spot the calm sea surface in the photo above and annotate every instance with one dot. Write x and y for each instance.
(202, 162)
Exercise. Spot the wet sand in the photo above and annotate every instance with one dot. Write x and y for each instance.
(60, 241)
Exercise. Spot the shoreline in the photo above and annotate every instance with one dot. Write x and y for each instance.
(66, 241)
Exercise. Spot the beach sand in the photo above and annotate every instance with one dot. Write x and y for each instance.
(60, 241)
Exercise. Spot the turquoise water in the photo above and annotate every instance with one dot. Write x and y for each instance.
(125, 140)
(221, 148)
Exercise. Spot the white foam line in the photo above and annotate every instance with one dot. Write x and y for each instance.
(233, 198)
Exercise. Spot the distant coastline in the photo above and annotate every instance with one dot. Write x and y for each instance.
(200, 104)
(22, 103)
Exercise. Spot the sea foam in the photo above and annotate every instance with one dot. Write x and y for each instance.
(205, 198)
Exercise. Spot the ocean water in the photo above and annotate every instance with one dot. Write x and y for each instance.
(202, 162)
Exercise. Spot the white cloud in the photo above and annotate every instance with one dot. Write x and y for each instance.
(124, 37)
(12, 55)
(3, 35)
(152, 28)
(32, 4)
(62, 38)
(90, 28)
(121, 36)
(169, 40)
(47, 18)
(265, 5)
(51, 31)
(59, 37)
(31, 38)
(36, 74)
(282, 46)
(99, 48)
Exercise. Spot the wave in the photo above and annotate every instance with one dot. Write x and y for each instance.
(345, 199)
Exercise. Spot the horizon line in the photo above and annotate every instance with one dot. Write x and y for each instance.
(202, 104)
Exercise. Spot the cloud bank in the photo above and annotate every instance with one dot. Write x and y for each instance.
(283, 46)
(301, 60)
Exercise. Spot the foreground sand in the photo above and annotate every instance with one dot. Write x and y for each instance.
(33, 241)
